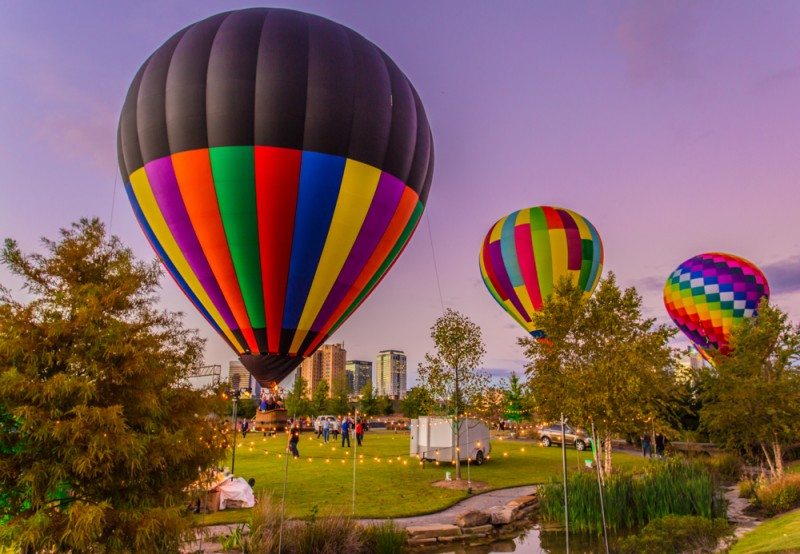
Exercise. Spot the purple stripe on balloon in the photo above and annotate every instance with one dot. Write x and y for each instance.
(379, 215)
(496, 255)
(162, 179)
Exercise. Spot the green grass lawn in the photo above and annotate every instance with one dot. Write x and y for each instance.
(793, 467)
(389, 482)
(779, 534)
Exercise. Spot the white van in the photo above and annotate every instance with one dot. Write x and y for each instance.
(433, 439)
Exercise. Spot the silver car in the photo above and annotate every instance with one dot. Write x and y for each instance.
(551, 434)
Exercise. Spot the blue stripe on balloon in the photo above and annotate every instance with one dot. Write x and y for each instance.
(320, 180)
(148, 231)
(508, 247)
(595, 253)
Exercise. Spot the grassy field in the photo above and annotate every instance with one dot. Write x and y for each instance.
(389, 482)
(779, 534)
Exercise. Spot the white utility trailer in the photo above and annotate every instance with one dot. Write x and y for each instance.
(434, 439)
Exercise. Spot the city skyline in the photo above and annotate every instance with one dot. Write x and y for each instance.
(669, 132)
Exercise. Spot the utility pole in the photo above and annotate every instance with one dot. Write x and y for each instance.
(564, 464)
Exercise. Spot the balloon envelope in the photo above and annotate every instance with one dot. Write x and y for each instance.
(526, 253)
(709, 294)
(278, 163)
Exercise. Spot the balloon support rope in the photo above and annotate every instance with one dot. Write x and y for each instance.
(435, 265)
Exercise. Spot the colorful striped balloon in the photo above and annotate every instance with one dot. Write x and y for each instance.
(709, 294)
(526, 253)
(278, 163)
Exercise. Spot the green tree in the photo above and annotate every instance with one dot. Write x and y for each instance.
(106, 436)
(339, 402)
(385, 405)
(601, 362)
(296, 401)
(319, 400)
(417, 402)
(451, 375)
(367, 403)
(752, 395)
(514, 400)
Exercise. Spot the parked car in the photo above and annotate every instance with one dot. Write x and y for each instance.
(551, 434)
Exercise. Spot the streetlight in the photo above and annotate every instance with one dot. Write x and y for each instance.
(235, 398)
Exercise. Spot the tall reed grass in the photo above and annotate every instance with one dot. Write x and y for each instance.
(666, 487)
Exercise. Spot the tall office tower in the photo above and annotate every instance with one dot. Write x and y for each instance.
(237, 372)
(311, 372)
(333, 362)
(359, 372)
(390, 374)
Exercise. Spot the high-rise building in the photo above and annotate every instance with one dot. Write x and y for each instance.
(359, 373)
(333, 362)
(326, 364)
(311, 372)
(237, 371)
(390, 374)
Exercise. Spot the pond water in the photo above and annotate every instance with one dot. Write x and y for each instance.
(535, 540)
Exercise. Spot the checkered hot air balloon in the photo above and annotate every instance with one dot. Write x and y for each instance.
(526, 253)
(709, 294)
(278, 163)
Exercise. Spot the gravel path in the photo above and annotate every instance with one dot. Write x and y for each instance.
(736, 507)
(476, 502)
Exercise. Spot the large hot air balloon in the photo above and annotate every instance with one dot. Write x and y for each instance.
(278, 163)
(526, 253)
(709, 294)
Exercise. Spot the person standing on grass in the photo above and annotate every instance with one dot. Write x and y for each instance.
(647, 446)
(335, 425)
(660, 444)
(326, 429)
(359, 432)
(294, 438)
(245, 427)
(346, 432)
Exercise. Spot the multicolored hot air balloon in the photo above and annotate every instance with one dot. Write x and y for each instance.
(709, 294)
(526, 253)
(278, 163)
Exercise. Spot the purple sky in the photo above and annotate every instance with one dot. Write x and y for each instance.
(673, 126)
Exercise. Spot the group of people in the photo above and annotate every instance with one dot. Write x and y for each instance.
(270, 401)
(324, 427)
(647, 445)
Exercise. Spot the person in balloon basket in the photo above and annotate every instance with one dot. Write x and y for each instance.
(346, 424)
(294, 438)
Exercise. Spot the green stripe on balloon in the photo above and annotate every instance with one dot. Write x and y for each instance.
(540, 236)
(233, 168)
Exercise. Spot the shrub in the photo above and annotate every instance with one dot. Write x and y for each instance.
(331, 534)
(384, 538)
(779, 496)
(724, 468)
(747, 488)
(672, 487)
(676, 534)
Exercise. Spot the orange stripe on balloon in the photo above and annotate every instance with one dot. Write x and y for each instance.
(405, 208)
(196, 183)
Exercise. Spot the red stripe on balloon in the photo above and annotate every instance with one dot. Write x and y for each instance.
(277, 179)
(527, 263)
(552, 217)
(574, 244)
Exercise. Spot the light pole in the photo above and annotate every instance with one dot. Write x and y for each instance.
(235, 398)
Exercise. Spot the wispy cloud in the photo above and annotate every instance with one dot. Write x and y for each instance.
(655, 38)
(780, 78)
(784, 275)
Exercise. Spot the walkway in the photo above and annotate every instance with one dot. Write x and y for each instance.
(736, 508)
(475, 502)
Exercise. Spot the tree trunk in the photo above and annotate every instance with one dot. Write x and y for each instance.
(769, 459)
(778, 453)
(607, 469)
(457, 449)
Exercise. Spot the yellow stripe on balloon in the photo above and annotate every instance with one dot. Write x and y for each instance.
(558, 248)
(140, 185)
(357, 190)
(497, 231)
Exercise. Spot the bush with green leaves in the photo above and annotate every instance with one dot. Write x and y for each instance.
(666, 487)
(677, 534)
(778, 496)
